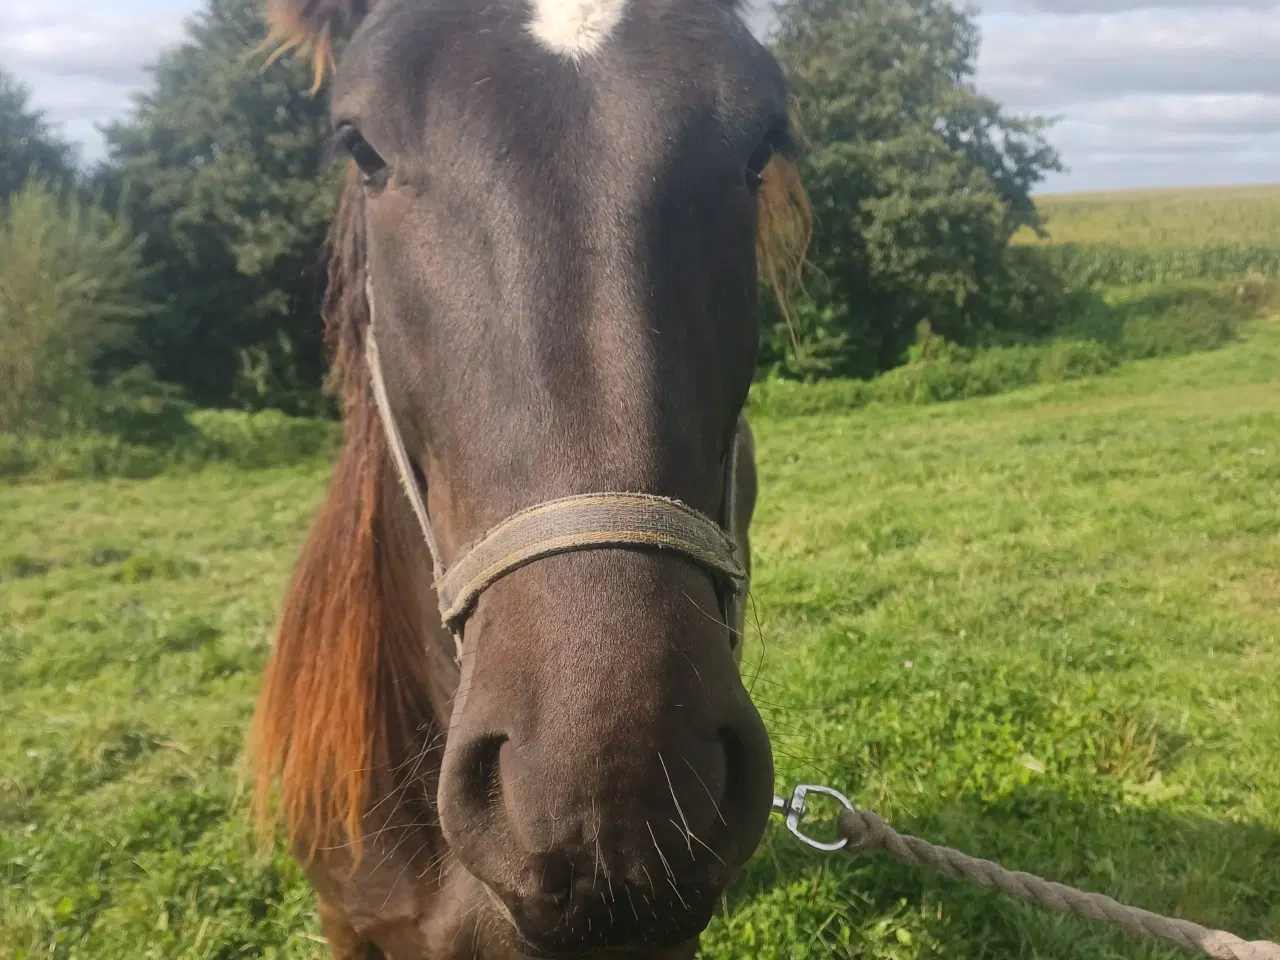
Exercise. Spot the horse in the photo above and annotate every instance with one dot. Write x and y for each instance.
(503, 715)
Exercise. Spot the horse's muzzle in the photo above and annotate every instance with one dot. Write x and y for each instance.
(607, 779)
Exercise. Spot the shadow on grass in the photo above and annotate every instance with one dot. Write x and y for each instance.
(1222, 875)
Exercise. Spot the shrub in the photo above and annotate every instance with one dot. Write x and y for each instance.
(197, 439)
(1074, 359)
(69, 280)
(1258, 294)
(1154, 321)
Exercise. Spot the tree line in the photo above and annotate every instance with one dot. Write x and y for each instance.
(187, 262)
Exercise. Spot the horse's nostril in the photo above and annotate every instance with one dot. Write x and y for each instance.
(479, 780)
(555, 878)
(735, 759)
(738, 776)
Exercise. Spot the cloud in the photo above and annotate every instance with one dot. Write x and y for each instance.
(71, 38)
(1115, 6)
(1187, 92)
(82, 61)
(1050, 59)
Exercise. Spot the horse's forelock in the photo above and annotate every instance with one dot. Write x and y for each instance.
(345, 309)
(311, 27)
(784, 229)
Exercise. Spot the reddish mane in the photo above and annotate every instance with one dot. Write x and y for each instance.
(338, 700)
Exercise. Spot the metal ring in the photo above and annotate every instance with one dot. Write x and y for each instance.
(794, 810)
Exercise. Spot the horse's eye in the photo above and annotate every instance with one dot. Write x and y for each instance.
(756, 164)
(373, 169)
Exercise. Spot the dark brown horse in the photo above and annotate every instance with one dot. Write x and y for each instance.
(557, 213)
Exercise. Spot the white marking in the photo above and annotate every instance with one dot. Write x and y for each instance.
(575, 28)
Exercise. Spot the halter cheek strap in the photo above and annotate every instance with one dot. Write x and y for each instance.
(399, 456)
(583, 522)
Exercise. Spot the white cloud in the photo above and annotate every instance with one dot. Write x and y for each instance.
(1183, 93)
(1046, 60)
(1114, 6)
(82, 60)
(1168, 92)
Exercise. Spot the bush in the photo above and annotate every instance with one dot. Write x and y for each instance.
(1159, 321)
(1075, 359)
(1164, 319)
(1258, 293)
(69, 280)
(196, 439)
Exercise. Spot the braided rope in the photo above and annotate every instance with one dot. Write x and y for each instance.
(866, 831)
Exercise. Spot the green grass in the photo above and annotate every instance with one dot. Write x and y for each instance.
(1040, 627)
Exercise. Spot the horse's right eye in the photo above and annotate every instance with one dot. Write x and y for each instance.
(776, 141)
(373, 169)
(760, 158)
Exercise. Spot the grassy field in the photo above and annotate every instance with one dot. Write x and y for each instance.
(1165, 219)
(1040, 627)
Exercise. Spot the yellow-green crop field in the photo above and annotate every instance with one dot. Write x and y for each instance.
(1164, 219)
(1161, 236)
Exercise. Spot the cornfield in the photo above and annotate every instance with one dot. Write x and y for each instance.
(1163, 219)
(1109, 265)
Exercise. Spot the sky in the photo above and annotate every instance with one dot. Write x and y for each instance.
(1174, 93)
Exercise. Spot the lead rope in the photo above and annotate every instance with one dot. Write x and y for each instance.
(862, 830)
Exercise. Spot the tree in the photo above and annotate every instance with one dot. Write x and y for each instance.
(918, 182)
(71, 282)
(221, 167)
(28, 146)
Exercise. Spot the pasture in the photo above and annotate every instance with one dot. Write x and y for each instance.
(1041, 627)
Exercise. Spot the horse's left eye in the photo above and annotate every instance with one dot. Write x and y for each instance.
(756, 164)
(373, 169)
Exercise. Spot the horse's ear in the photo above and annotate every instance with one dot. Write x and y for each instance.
(310, 27)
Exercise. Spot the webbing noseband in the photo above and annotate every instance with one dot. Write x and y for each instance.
(581, 522)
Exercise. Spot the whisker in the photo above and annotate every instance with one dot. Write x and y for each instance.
(632, 900)
(676, 801)
(755, 615)
(715, 806)
(693, 667)
(708, 849)
(710, 616)
(671, 876)
(652, 888)
(395, 883)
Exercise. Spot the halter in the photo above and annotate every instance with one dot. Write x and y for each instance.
(583, 522)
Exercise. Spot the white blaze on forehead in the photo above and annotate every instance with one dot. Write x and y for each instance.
(575, 28)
